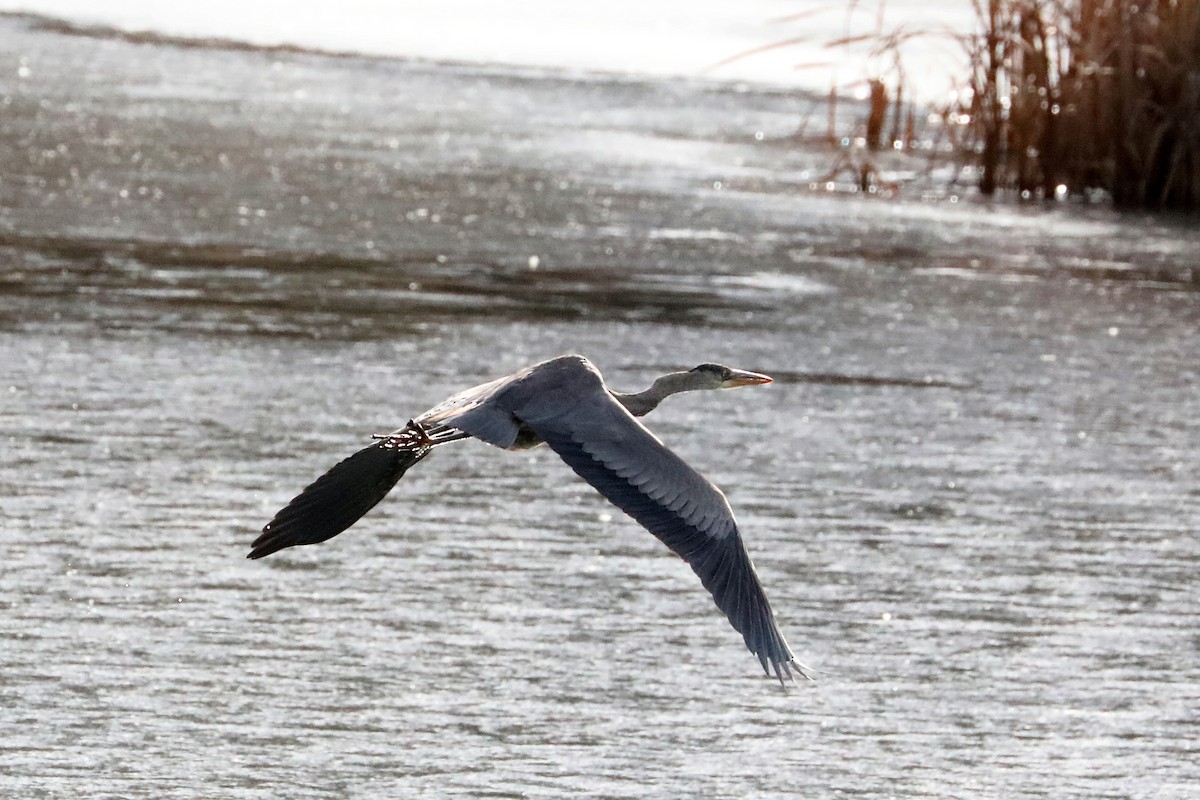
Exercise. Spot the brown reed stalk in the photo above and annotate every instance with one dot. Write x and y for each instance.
(1087, 95)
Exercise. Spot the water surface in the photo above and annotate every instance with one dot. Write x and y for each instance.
(971, 493)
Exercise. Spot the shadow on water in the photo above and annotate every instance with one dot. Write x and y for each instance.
(222, 289)
(838, 379)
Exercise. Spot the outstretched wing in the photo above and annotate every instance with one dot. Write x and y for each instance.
(339, 498)
(569, 407)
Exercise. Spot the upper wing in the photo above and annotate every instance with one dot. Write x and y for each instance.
(570, 408)
(477, 412)
(482, 412)
(339, 498)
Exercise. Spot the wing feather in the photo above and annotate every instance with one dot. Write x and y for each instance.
(337, 499)
(627, 464)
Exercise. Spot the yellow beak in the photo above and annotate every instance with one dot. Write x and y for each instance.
(742, 378)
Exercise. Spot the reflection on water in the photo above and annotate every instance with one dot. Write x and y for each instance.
(971, 494)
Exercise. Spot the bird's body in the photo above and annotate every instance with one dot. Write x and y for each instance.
(565, 404)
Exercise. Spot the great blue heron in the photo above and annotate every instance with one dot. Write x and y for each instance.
(564, 403)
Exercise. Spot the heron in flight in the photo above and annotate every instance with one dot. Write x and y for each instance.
(565, 404)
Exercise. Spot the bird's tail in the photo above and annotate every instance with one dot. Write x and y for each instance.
(341, 496)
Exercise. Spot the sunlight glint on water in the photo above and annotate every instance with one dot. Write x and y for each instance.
(973, 505)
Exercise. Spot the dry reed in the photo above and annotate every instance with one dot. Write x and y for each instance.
(1078, 96)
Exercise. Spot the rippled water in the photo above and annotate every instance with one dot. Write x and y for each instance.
(972, 493)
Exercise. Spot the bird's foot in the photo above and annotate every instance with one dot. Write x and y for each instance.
(412, 436)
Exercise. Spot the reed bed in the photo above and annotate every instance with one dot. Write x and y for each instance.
(1082, 97)
(1093, 99)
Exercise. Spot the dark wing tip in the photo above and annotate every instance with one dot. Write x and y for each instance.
(784, 672)
(711, 545)
(730, 577)
(337, 499)
(269, 541)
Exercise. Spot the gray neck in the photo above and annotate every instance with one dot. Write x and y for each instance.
(641, 403)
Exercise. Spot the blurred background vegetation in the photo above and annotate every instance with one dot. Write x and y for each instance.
(1079, 96)
(1088, 99)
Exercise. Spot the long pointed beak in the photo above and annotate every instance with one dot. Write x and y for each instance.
(740, 377)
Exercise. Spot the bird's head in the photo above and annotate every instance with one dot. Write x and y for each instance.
(715, 376)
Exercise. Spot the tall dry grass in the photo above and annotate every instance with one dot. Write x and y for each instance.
(1080, 98)
(1077, 96)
